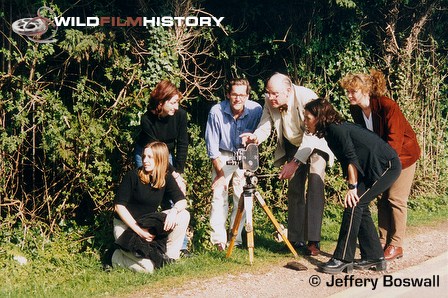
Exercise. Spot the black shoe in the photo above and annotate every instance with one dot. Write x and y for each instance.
(378, 264)
(107, 259)
(107, 268)
(299, 246)
(336, 266)
(166, 260)
(185, 253)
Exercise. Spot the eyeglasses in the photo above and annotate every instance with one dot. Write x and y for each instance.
(234, 95)
(273, 95)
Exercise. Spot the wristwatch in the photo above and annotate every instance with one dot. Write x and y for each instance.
(352, 186)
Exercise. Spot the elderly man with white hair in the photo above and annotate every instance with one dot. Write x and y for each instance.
(301, 157)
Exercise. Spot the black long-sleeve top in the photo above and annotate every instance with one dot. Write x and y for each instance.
(172, 130)
(352, 144)
(141, 199)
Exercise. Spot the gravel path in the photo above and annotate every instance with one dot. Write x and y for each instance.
(421, 244)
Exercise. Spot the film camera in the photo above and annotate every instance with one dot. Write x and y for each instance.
(246, 159)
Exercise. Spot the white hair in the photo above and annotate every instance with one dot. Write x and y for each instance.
(279, 77)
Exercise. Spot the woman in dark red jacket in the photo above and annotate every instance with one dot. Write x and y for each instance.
(382, 115)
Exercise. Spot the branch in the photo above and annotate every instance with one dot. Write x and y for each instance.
(284, 38)
(412, 40)
(391, 46)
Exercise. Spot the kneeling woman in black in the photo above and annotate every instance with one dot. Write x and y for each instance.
(370, 166)
(139, 196)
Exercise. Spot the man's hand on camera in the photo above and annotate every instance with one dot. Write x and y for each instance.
(248, 138)
(288, 170)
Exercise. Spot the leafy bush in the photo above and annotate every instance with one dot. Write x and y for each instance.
(69, 111)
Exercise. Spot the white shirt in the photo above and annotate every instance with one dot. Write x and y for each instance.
(368, 121)
(293, 133)
(309, 143)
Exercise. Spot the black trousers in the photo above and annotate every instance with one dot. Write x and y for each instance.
(357, 223)
(306, 200)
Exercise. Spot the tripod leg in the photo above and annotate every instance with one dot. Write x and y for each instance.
(236, 225)
(275, 222)
(249, 205)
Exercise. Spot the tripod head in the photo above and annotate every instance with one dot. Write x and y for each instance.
(251, 180)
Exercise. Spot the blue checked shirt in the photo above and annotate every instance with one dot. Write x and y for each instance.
(223, 131)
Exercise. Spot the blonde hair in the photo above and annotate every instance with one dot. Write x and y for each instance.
(158, 175)
(373, 84)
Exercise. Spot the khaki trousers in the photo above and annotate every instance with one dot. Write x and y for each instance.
(220, 202)
(392, 209)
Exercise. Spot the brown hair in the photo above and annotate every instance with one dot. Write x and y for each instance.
(373, 84)
(157, 176)
(165, 90)
(238, 82)
(325, 115)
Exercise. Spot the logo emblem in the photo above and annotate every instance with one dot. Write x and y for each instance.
(35, 29)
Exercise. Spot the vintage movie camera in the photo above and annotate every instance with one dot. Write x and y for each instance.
(246, 159)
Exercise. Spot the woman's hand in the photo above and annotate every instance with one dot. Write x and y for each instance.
(351, 198)
(170, 221)
(127, 218)
(145, 234)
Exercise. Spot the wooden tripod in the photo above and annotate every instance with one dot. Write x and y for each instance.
(246, 205)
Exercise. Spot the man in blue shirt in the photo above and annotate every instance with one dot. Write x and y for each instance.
(227, 120)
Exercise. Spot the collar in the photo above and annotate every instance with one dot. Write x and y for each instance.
(228, 110)
(375, 104)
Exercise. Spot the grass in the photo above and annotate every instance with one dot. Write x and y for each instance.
(67, 268)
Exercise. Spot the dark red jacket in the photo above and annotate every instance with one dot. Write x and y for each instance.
(391, 125)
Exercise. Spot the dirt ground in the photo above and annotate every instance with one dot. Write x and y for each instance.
(421, 244)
